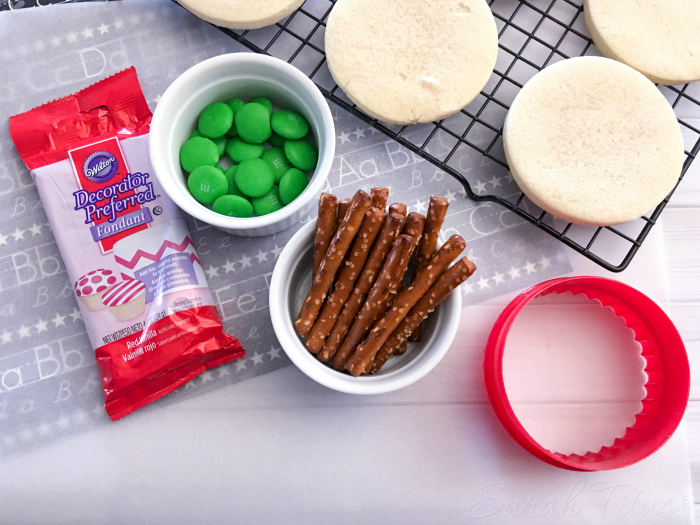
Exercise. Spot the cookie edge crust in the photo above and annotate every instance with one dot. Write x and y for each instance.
(607, 51)
(558, 211)
(393, 120)
(253, 23)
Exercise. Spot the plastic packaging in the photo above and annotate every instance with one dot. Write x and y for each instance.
(140, 285)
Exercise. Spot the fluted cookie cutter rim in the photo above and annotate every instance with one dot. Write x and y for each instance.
(667, 368)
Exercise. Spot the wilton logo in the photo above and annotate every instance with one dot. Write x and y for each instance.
(100, 166)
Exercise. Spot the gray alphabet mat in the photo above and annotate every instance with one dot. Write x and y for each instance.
(49, 383)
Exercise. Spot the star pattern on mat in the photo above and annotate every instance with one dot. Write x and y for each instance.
(274, 353)
(229, 266)
(212, 272)
(359, 133)
(479, 187)
(59, 320)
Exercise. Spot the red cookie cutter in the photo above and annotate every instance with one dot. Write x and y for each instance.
(667, 387)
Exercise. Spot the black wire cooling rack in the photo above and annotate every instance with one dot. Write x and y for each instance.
(532, 35)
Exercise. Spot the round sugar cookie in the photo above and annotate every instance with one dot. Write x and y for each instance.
(592, 141)
(241, 14)
(404, 62)
(660, 39)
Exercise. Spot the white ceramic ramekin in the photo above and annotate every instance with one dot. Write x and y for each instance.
(291, 281)
(244, 76)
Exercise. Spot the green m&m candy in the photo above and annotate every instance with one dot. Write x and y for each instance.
(233, 132)
(230, 176)
(215, 120)
(238, 150)
(292, 185)
(235, 104)
(198, 151)
(221, 144)
(268, 203)
(253, 123)
(263, 102)
(254, 177)
(233, 206)
(276, 140)
(220, 168)
(289, 124)
(206, 184)
(195, 133)
(278, 160)
(301, 154)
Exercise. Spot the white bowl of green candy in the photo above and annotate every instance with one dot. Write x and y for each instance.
(243, 142)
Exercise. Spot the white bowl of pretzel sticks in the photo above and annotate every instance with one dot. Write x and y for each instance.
(355, 341)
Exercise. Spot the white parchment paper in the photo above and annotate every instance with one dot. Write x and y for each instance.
(278, 448)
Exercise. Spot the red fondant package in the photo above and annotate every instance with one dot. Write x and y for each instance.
(142, 292)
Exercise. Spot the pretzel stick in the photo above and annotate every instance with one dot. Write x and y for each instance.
(390, 230)
(390, 300)
(379, 198)
(404, 302)
(417, 228)
(437, 210)
(399, 208)
(325, 227)
(414, 229)
(343, 207)
(401, 350)
(331, 262)
(451, 279)
(346, 279)
(375, 304)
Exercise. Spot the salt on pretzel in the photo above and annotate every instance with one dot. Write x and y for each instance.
(413, 228)
(325, 227)
(401, 350)
(348, 274)
(365, 353)
(380, 196)
(392, 297)
(415, 224)
(399, 208)
(343, 207)
(437, 210)
(390, 230)
(340, 244)
(376, 302)
(451, 279)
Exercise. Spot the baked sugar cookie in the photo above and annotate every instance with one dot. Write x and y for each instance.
(592, 141)
(241, 14)
(409, 61)
(660, 39)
